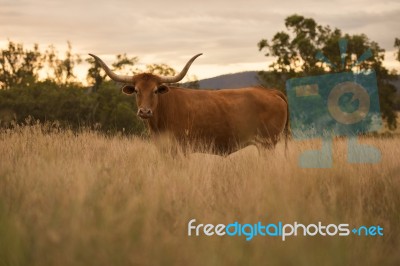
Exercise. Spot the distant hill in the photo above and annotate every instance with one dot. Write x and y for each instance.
(231, 81)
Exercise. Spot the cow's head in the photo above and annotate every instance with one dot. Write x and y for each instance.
(146, 86)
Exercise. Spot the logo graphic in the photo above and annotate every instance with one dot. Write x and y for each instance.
(339, 104)
(280, 230)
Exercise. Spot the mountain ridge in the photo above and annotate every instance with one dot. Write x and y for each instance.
(231, 81)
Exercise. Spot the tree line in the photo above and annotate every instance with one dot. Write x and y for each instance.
(59, 95)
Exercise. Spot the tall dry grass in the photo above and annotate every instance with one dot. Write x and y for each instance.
(87, 199)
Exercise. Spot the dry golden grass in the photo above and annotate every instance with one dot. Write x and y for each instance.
(87, 199)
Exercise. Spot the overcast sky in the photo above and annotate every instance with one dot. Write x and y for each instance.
(227, 32)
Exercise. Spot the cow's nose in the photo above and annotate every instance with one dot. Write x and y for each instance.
(145, 112)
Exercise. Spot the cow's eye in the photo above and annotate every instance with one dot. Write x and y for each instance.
(162, 89)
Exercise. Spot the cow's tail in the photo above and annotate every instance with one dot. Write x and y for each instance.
(286, 130)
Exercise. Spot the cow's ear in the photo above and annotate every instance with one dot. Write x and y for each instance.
(162, 89)
(128, 89)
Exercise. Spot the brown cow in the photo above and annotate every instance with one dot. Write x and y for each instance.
(223, 120)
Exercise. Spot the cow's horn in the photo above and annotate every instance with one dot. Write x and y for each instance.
(182, 74)
(112, 75)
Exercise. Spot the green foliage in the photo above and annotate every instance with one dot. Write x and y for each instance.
(123, 61)
(160, 69)
(296, 51)
(107, 110)
(19, 66)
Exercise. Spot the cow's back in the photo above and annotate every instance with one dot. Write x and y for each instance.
(227, 118)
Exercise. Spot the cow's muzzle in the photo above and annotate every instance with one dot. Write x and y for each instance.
(145, 113)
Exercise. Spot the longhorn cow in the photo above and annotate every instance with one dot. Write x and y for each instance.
(223, 120)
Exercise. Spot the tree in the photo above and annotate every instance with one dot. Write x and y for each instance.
(19, 67)
(61, 71)
(160, 70)
(296, 51)
(397, 46)
(65, 67)
(123, 62)
(165, 70)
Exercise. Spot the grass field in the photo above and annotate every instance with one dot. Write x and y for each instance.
(87, 199)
